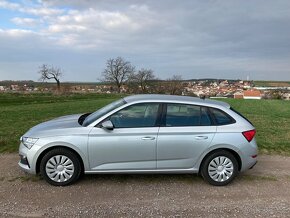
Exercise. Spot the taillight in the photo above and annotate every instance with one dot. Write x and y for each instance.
(249, 135)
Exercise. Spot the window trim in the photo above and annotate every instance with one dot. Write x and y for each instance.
(212, 123)
(162, 113)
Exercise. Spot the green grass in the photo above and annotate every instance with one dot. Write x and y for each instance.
(19, 112)
(272, 83)
(272, 121)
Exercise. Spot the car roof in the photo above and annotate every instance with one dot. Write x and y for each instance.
(175, 98)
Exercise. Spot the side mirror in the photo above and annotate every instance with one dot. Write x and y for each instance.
(108, 125)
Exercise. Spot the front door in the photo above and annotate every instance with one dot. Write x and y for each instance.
(131, 145)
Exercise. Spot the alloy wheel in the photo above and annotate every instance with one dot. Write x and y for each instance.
(59, 168)
(220, 169)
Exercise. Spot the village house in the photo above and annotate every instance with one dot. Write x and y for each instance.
(2, 88)
(239, 95)
(252, 94)
(286, 96)
(248, 94)
(14, 87)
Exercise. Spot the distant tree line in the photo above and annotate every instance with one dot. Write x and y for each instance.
(120, 72)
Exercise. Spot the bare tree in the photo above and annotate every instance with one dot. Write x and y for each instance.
(175, 85)
(117, 71)
(142, 78)
(50, 72)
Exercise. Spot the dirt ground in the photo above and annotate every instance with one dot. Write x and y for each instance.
(261, 192)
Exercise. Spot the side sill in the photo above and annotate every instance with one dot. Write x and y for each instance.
(161, 171)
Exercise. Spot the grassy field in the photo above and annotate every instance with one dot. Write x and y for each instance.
(272, 83)
(19, 112)
(272, 121)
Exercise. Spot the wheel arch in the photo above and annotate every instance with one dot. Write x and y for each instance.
(233, 152)
(37, 168)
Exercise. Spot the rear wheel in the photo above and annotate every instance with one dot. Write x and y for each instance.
(219, 168)
(60, 167)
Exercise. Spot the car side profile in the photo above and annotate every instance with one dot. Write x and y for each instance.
(143, 134)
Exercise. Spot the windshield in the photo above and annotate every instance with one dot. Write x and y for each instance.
(101, 112)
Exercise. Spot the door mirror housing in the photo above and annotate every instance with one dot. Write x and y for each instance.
(107, 125)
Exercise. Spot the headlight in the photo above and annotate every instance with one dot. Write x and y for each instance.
(28, 141)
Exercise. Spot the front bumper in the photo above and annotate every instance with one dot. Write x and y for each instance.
(24, 167)
(26, 162)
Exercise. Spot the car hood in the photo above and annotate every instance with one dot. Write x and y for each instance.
(54, 126)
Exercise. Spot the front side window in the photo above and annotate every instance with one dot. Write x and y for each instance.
(139, 115)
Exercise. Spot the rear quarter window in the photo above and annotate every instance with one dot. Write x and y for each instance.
(220, 117)
(241, 115)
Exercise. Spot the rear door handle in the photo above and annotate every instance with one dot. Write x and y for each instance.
(148, 138)
(201, 137)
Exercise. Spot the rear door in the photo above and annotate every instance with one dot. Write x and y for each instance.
(185, 134)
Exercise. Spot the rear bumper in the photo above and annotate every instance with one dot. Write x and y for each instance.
(251, 167)
(248, 162)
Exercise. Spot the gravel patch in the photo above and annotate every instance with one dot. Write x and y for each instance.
(261, 192)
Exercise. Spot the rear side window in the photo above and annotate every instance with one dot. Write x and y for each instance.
(220, 117)
(186, 115)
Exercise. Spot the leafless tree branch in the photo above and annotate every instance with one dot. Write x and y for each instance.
(175, 84)
(142, 78)
(50, 72)
(117, 71)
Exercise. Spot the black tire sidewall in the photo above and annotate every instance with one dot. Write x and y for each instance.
(70, 155)
(208, 159)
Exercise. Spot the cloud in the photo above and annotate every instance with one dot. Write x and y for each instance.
(9, 5)
(207, 38)
(42, 11)
(26, 22)
(94, 28)
(35, 9)
(92, 18)
(18, 33)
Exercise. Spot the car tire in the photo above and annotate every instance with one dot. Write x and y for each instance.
(219, 168)
(60, 167)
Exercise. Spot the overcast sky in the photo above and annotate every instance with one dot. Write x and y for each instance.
(196, 39)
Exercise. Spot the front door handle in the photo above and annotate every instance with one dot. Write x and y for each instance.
(148, 138)
(201, 137)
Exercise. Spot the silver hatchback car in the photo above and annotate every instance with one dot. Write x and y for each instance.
(143, 134)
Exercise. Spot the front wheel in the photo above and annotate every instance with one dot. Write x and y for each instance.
(219, 168)
(60, 167)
